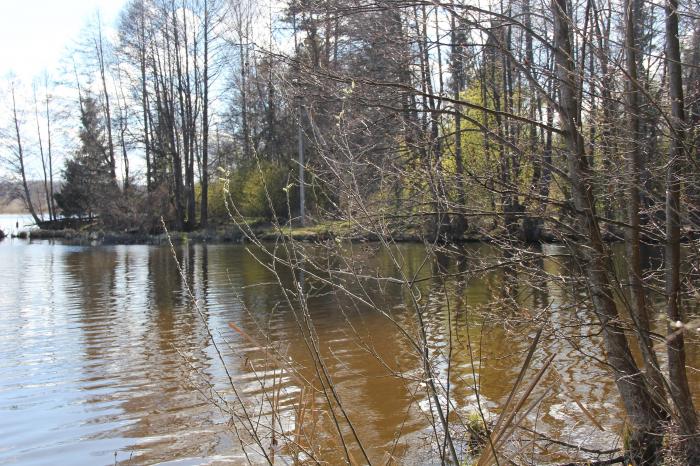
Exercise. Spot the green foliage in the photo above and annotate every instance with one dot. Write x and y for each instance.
(262, 190)
(478, 432)
(74, 197)
(88, 186)
(90, 189)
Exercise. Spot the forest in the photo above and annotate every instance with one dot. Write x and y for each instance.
(512, 122)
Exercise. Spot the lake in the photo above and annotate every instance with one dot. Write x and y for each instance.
(105, 357)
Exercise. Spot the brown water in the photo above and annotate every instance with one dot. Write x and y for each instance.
(104, 357)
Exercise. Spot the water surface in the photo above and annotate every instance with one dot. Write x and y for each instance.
(104, 356)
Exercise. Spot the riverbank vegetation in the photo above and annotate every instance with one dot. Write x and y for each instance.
(511, 122)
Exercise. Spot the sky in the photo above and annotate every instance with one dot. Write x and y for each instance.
(35, 34)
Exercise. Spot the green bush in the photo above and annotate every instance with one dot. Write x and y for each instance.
(262, 190)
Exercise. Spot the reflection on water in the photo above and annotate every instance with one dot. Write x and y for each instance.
(103, 352)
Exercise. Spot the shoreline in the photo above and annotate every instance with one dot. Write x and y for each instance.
(215, 236)
(265, 233)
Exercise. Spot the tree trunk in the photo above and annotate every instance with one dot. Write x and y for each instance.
(144, 99)
(644, 414)
(459, 222)
(20, 160)
(678, 379)
(108, 114)
(244, 97)
(693, 95)
(178, 150)
(49, 151)
(188, 129)
(204, 210)
(43, 158)
(638, 305)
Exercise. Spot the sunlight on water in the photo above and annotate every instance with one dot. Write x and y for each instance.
(102, 352)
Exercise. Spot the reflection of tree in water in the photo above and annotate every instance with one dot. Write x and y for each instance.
(492, 313)
(170, 409)
(93, 273)
(138, 325)
(374, 367)
(354, 372)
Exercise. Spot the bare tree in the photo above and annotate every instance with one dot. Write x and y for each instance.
(678, 379)
(17, 160)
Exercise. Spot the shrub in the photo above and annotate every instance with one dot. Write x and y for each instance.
(263, 190)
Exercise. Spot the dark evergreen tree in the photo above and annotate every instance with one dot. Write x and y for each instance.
(74, 198)
(88, 185)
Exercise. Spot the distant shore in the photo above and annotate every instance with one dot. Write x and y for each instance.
(14, 208)
(229, 233)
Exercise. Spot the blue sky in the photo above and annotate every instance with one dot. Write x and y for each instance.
(35, 34)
